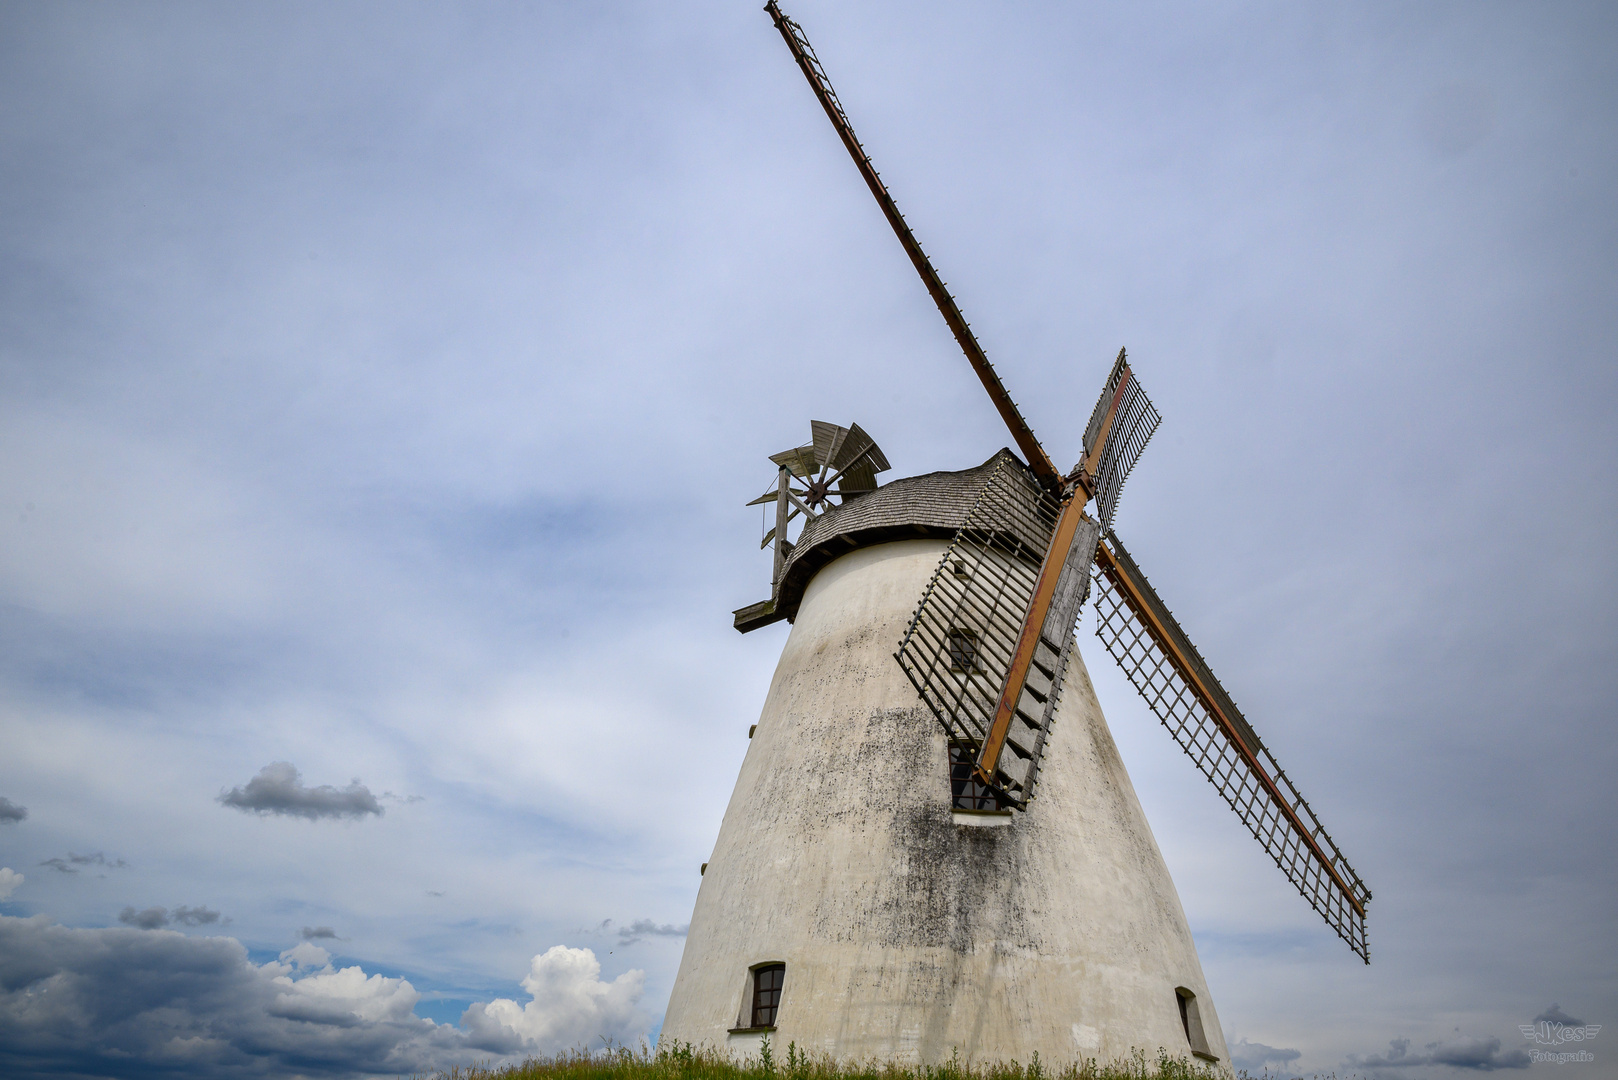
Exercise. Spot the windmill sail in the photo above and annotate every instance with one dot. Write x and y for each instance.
(960, 644)
(1143, 636)
(1123, 422)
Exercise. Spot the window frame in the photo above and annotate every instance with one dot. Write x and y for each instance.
(962, 645)
(747, 1020)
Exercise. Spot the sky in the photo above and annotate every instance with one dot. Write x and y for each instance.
(381, 386)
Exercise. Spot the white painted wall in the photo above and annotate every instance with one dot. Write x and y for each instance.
(906, 935)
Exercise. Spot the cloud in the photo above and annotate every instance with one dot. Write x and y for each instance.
(1254, 1056)
(571, 1007)
(1555, 1015)
(150, 919)
(9, 880)
(10, 812)
(137, 1002)
(153, 918)
(315, 933)
(641, 928)
(71, 864)
(195, 916)
(305, 955)
(124, 1001)
(278, 789)
(1480, 1055)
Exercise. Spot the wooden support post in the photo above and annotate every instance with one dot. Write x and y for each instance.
(783, 478)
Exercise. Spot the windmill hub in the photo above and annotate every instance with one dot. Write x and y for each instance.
(819, 493)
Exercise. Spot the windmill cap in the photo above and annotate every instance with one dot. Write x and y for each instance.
(930, 506)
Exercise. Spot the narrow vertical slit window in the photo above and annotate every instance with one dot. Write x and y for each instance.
(1191, 1021)
(963, 650)
(966, 793)
(767, 982)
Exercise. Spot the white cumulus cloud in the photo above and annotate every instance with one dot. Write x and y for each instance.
(332, 996)
(9, 880)
(571, 1007)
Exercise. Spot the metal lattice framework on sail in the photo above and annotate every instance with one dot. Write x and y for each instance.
(1132, 427)
(959, 645)
(1143, 636)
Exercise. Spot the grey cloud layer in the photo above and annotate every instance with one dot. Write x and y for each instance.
(1254, 1057)
(644, 928)
(1475, 1054)
(278, 789)
(135, 1003)
(10, 811)
(1555, 1015)
(153, 918)
(73, 863)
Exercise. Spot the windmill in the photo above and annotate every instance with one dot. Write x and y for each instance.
(992, 566)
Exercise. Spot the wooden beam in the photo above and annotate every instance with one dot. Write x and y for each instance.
(783, 478)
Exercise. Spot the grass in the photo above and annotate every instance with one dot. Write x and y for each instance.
(682, 1062)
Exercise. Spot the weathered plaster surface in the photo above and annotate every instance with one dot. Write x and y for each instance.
(906, 935)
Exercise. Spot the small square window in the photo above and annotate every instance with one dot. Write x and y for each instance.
(966, 791)
(963, 650)
(767, 982)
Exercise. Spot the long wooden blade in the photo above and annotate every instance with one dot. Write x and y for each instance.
(1158, 657)
(810, 64)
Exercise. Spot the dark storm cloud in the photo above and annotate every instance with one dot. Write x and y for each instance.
(10, 811)
(278, 789)
(146, 1002)
(319, 933)
(1254, 1056)
(1478, 1055)
(131, 1002)
(196, 916)
(643, 928)
(72, 862)
(154, 918)
(1555, 1015)
(151, 918)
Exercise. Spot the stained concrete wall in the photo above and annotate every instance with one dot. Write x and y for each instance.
(905, 934)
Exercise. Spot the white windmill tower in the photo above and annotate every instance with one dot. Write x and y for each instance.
(885, 883)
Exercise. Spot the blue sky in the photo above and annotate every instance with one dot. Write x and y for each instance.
(380, 386)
